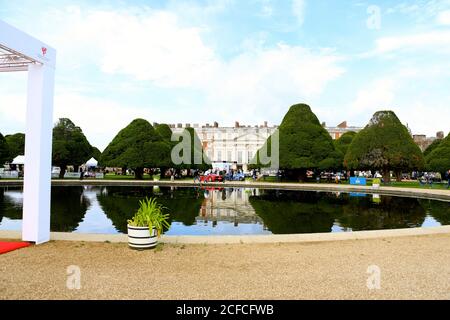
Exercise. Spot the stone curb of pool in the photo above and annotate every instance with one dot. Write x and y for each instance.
(434, 194)
(247, 239)
(311, 237)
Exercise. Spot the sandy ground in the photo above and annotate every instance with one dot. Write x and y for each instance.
(411, 268)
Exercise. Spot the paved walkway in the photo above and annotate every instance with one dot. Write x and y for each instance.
(410, 268)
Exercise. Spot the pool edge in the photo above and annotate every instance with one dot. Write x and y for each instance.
(246, 239)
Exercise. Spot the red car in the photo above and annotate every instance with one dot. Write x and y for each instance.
(212, 177)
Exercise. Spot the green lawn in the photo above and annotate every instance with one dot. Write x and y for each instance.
(112, 176)
(403, 184)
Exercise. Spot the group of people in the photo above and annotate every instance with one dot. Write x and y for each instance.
(428, 179)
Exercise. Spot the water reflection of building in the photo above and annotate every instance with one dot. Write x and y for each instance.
(231, 204)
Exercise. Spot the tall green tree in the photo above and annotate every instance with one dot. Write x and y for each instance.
(4, 151)
(16, 144)
(70, 146)
(165, 161)
(386, 145)
(304, 144)
(431, 147)
(136, 147)
(164, 131)
(95, 153)
(197, 159)
(438, 160)
(344, 142)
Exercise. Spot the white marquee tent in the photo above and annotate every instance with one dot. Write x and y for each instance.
(19, 160)
(91, 163)
(21, 52)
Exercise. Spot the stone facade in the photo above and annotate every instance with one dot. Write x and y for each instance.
(424, 142)
(340, 129)
(240, 143)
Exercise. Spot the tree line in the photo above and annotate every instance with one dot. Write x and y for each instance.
(385, 145)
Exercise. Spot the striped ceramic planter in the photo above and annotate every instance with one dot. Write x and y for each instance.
(140, 238)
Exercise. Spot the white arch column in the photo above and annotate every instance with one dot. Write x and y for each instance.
(21, 52)
(38, 152)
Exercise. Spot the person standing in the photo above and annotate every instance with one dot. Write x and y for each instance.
(448, 179)
(196, 176)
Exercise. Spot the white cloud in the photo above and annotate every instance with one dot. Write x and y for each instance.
(437, 41)
(298, 10)
(444, 18)
(261, 85)
(408, 91)
(149, 45)
(377, 95)
(151, 48)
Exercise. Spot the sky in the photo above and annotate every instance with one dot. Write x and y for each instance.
(202, 61)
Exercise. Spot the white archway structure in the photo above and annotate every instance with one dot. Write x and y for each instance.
(21, 52)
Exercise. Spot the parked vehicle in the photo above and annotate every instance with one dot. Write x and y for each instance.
(211, 177)
(235, 177)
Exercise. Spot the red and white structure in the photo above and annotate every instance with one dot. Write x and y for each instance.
(21, 52)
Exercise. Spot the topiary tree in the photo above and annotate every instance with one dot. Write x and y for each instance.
(95, 153)
(16, 144)
(431, 147)
(70, 146)
(165, 161)
(4, 151)
(384, 144)
(304, 144)
(197, 158)
(438, 160)
(137, 146)
(164, 131)
(344, 142)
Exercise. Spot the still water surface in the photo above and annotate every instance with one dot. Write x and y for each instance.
(228, 211)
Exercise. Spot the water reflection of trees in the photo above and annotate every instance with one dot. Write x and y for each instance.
(10, 207)
(68, 207)
(121, 203)
(439, 210)
(361, 213)
(286, 212)
(310, 212)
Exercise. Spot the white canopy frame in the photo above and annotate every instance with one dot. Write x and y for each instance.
(21, 52)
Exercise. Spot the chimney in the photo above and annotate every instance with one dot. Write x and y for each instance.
(188, 125)
(216, 124)
(324, 124)
(207, 125)
(265, 124)
(196, 125)
(440, 135)
(155, 124)
(179, 125)
(236, 124)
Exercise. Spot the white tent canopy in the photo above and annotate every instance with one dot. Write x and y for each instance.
(19, 160)
(91, 163)
(21, 52)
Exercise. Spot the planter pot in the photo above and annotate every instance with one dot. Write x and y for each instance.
(141, 238)
(376, 186)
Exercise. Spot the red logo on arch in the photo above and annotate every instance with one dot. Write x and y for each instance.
(44, 50)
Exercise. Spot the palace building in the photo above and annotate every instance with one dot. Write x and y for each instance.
(239, 144)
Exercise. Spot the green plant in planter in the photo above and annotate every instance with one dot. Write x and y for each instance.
(150, 214)
(376, 181)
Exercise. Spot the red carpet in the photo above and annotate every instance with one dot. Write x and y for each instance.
(10, 246)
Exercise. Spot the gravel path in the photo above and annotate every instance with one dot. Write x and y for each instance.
(411, 268)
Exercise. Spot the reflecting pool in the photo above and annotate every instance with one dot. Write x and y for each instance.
(228, 211)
